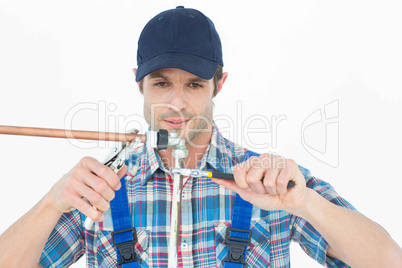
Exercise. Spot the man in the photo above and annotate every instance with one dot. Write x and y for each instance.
(179, 73)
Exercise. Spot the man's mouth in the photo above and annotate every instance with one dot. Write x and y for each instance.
(176, 123)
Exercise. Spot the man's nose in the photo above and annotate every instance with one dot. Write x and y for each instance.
(178, 98)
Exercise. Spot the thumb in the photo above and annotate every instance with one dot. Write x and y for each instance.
(231, 185)
(122, 172)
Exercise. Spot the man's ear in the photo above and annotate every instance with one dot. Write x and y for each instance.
(138, 83)
(221, 82)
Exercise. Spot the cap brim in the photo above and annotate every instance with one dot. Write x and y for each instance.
(198, 66)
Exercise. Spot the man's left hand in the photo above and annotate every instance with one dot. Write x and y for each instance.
(263, 182)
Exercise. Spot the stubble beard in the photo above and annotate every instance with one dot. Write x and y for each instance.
(196, 125)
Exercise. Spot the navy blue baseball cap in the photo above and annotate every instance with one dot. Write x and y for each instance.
(182, 38)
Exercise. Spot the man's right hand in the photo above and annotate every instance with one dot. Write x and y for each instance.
(88, 180)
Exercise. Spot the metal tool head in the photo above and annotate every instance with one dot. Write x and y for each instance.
(195, 173)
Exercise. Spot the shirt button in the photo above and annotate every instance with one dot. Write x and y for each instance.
(183, 196)
(184, 245)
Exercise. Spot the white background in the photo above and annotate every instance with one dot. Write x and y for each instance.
(287, 59)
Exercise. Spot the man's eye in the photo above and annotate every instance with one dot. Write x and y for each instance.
(195, 85)
(160, 84)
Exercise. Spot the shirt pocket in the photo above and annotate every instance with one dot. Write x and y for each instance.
(106, 253)
(258, 252)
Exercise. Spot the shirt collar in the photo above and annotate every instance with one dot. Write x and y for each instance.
(221, 153)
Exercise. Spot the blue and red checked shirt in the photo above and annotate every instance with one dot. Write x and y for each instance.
(206, 213)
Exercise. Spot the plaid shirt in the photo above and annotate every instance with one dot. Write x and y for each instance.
(206, 213)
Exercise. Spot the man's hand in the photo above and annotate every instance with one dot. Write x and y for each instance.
(88, 180)
(263, 181)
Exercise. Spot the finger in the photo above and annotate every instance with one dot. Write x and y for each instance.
(270, 178)
(87, 209)
(99, 185)
(231, 185)
(92, 196)
(122, 171)
(283, 179)
(120, 174)
(102, 171)
(254, 179)
(295, 174)
(267, 201)
(240, 173)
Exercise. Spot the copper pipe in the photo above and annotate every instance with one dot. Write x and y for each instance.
(70, 134)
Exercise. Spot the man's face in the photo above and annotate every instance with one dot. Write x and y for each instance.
(176, 99)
